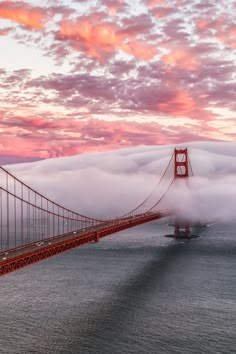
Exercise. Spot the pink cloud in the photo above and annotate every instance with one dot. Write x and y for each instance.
(183, 58)
(45, 138)
(102, 39)
(153, 3)
(4, 31)
(161, 12)
(114, 6)
(220, 28)
(23, 13)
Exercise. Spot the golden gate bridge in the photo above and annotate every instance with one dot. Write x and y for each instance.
(33, 227)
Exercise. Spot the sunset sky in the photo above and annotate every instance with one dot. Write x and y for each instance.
(79, 76)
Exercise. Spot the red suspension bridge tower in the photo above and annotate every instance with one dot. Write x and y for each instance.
(181, 170)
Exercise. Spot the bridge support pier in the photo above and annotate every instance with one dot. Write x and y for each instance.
(182, 231)
(97, 237)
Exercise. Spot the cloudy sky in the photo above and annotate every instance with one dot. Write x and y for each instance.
(80, 76)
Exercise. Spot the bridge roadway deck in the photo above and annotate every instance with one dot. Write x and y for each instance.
(20, 257)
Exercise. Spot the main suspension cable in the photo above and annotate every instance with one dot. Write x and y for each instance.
(160, 199)
(150, 194)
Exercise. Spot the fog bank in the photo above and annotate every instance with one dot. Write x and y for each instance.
(112, 183)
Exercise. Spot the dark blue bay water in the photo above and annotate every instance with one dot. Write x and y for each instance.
(134, 292)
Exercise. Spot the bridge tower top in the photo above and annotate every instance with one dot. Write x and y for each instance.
(181, 163)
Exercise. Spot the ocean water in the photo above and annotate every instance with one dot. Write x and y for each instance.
(133, 292)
